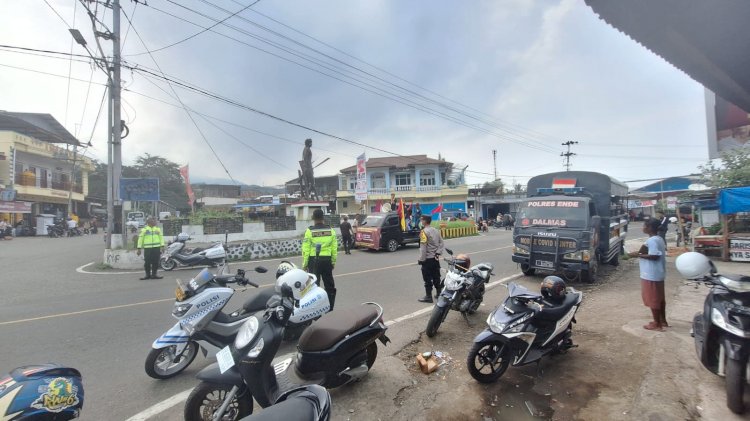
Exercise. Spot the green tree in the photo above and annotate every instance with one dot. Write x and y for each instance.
(493, 187)
(733, 171)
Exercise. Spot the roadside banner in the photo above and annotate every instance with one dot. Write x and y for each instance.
(360, 191)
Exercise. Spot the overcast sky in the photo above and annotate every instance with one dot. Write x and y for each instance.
(517, 76)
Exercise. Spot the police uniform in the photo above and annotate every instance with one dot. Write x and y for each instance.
(430, 249)
(321, 263)
(151, 241)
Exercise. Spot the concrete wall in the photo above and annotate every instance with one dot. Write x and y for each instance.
(252, 231)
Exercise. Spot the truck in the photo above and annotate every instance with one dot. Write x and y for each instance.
(136, 220)
(383, 231)
(570, 223)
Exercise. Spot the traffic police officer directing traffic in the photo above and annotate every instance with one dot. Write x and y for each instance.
(151, 241)
(430, 249)
(319, 250)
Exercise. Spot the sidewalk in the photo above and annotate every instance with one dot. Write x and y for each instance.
(620, 371)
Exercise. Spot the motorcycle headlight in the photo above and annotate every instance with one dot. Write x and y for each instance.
(247, 332)
(494, 325)
(181, 309)
(452, 282)
(255, 351)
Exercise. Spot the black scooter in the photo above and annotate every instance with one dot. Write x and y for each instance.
(337, 349)
(522, 330)
(722, 330)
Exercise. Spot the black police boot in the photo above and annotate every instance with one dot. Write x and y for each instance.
(331, 299)
(428, 296)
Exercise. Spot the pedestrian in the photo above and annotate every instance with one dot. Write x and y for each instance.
(430, 249)
(319, 251)
(507, 220)
(5, 230)
(346, 234)
(394, 203)
(499, 218)
(152, 242)
(653, 266)
(416, 215)
(663, 226)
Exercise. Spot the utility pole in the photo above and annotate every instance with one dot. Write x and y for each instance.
(494, 162)
(568, 154)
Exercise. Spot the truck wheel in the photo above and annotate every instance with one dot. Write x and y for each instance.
(527, 271)
(392, 245)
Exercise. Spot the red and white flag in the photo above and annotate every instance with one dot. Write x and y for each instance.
(438, 209)
(562, 183)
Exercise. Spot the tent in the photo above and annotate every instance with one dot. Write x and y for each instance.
(734, 200)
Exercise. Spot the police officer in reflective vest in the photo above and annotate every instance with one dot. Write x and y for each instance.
(151, 241)
(319, 249)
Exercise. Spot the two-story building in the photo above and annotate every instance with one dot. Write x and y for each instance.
(414, 178)
(39, 171)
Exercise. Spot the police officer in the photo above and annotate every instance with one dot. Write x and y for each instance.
(319, 250)
(430, 249)
(151, 241)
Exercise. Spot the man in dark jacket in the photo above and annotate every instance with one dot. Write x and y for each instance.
(346, 234)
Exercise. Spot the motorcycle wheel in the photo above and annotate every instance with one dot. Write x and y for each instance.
(735, 386)
(206, 398)
(527, 271)
(167, 264)
(436, 319)
(160, 362)
(494, 356)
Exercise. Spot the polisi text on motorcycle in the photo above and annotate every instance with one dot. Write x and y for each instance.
(207, 302)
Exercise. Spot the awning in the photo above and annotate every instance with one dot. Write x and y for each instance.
(15, 207)
(734, 200)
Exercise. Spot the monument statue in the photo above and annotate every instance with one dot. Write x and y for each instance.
(306, 177)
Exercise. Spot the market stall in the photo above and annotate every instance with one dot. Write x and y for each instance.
(734, 206)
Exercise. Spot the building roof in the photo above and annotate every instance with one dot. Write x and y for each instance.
(401, 161)
(708, 40)
(41, 127)
(670, 184)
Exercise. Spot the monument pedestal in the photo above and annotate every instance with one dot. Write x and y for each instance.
(303, 210)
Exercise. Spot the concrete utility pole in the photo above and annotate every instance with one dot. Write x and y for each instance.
(494, 162)
(114, 151)
(568, 154)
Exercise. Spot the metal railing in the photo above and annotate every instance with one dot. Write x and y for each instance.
(27, 179)
(409, 188)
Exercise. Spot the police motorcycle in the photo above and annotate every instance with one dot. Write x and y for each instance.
(525, 328)
(177, 255)
(45, 392)
(306, 403)
(463, 289)
(722, 330)
(198, 309)
(337, 349)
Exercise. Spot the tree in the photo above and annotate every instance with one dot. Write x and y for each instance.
(733, 171)
(493, 187)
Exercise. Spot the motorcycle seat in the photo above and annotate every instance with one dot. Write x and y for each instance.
(333, 327)
(258, 301)
(554, 312)
(299, 406)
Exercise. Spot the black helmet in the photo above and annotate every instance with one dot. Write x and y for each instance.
(553, 288)
(462, 262)
(284, 267)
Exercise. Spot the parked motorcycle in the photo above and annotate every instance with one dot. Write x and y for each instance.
(198, 309)
(525, 328)
(722, 330)
(463, 289)
(306, 403)
(177, 255)
(56, 230)
(337, 349)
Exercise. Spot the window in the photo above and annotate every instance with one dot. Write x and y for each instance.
(403, 179)
(352, 183)
(427, 178)
(344, 204)
(377, 180)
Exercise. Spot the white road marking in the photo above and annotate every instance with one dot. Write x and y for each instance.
(182, 396)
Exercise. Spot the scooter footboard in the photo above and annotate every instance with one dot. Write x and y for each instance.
(174, 336)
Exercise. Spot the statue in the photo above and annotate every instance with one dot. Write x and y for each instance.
(306, 177)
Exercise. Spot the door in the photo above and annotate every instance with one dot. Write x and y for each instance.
(43, 178)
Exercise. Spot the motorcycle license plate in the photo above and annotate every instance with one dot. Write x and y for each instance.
(545, 264)
(225, 359)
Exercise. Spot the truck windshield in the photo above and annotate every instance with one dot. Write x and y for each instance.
(553, 213)
(373, 221)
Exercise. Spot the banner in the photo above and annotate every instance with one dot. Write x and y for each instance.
(360, 191)
(640, 203)
(15, 207)
(185, 173)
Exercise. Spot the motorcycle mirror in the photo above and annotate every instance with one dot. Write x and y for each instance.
(449, 251)
(286, 291)
(261, 269)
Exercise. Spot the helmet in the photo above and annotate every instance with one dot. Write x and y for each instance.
(693, 265)
(553, 288)
(41, 392)
(673, 219)
(464, 261)
(183, 236)
(297, 279)
(284, 267)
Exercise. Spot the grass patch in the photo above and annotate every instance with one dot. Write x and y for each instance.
(455, 224)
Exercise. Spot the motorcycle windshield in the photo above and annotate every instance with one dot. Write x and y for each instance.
(201, 279)
(515, 290)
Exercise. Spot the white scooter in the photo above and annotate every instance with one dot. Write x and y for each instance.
(177, 255)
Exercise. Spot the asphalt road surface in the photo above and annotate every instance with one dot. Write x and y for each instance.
(104, 323)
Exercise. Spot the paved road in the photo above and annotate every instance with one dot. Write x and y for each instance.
(104, 324)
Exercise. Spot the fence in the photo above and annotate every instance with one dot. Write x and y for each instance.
(458, 232)
(222, 225)
(280, 223)
(174, 226)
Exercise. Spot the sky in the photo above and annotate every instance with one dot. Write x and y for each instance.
(443, 78)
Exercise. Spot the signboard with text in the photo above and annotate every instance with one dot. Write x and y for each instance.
(139, 189)
(360, 190)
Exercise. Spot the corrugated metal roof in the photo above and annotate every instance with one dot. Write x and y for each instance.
(41, 127)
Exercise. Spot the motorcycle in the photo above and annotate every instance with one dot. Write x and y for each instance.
(55, 231)
(463, 290)
(198, 309)
(307, 403)
(335, 350)
(177, 255)
(722, 330)
(522, 330)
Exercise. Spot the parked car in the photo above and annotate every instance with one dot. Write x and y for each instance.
(383, 231)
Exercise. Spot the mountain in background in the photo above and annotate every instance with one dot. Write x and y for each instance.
(253, 189)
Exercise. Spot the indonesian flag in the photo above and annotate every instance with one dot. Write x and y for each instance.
(401, 214)
(438, 209)
(561, 183)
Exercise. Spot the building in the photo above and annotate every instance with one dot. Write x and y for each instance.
(415, 179)
(39, 168)
(223, 195)
(325, 186)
